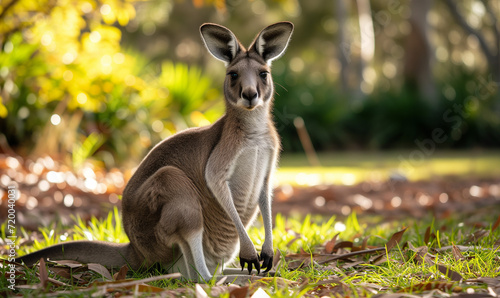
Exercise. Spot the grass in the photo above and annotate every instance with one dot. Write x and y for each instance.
(415, 265)
(349, 168)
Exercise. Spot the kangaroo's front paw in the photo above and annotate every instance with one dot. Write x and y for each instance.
(251, 261)
(267, 259)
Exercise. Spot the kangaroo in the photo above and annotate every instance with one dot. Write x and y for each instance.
(195, 193)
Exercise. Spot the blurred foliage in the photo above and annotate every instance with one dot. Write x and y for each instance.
(81, 78)
(73, 88)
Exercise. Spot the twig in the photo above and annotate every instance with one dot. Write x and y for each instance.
(351, 254)
(312, 157)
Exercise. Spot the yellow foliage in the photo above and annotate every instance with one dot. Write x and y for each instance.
(64, 57)
(3, 109)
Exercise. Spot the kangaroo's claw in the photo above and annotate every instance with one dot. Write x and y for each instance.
(250, 263)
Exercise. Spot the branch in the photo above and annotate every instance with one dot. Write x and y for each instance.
(461, 20)
(7, 7)
(491, 13)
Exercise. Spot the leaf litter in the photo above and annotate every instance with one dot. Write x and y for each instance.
(346, 268)
(343, 263)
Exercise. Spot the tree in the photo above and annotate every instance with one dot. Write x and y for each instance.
(418, 58)
(490, 51)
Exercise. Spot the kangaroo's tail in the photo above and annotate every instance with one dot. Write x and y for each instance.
(105, 253)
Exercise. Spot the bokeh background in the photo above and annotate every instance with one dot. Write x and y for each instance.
(121, 75)
(89, 86)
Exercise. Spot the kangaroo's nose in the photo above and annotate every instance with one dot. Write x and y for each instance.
(249, 95)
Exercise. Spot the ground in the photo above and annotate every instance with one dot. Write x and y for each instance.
(450, 248)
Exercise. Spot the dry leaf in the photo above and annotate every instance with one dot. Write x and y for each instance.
(422, 254)
(43, 274)
(428, 286)
(329, 246)
(377, 260)
(477, 235)
(365, 241)
(68, 263)
(120, 275)
(427, 235)
(239, 292)
(457, 254)
(62, 271)
(101, 270)
(496, 224)
(147, 289)
(396, 237)
(453, 275)
(342, 244)
(200, 293)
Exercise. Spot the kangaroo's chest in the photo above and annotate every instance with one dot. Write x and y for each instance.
(249, 171)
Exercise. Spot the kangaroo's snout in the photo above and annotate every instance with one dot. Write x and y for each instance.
(251, 98)
(249, 95)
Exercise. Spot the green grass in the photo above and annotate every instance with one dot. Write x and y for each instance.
(353, 167)
(304, 239)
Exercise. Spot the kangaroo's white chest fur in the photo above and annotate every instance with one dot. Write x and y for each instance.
(247, 175)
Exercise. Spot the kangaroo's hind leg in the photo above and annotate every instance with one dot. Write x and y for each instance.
(192, 250)
(181, 220)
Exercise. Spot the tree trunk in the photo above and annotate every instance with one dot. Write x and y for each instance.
(418, 59)
(344, 45)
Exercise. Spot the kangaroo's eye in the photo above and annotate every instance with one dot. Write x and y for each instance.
(263, 75)
(233, 75)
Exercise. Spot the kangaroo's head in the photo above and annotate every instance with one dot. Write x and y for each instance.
(248, 82)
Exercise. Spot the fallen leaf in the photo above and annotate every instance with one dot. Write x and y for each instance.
(329, 246)
(331, 280)
(473, 295)
(377, 260)
(453, 275)
(477, 235)
(422, 254)
(120, 275)
(329, 290)
(395, 239)
(221, 281)
(200, 293)
(496, 224)
(427, 235)
(110, 286)
(239, 292)
(493, 284)
(62, 271)
(428, 286)
(143, 288)
(352, 264)
(365, 241)
(43, 274)
(343, 244)
(101, 270)
(68, 263)
(457, 254)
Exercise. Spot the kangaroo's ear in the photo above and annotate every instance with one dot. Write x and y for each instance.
(271, 42)
(220, 42)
